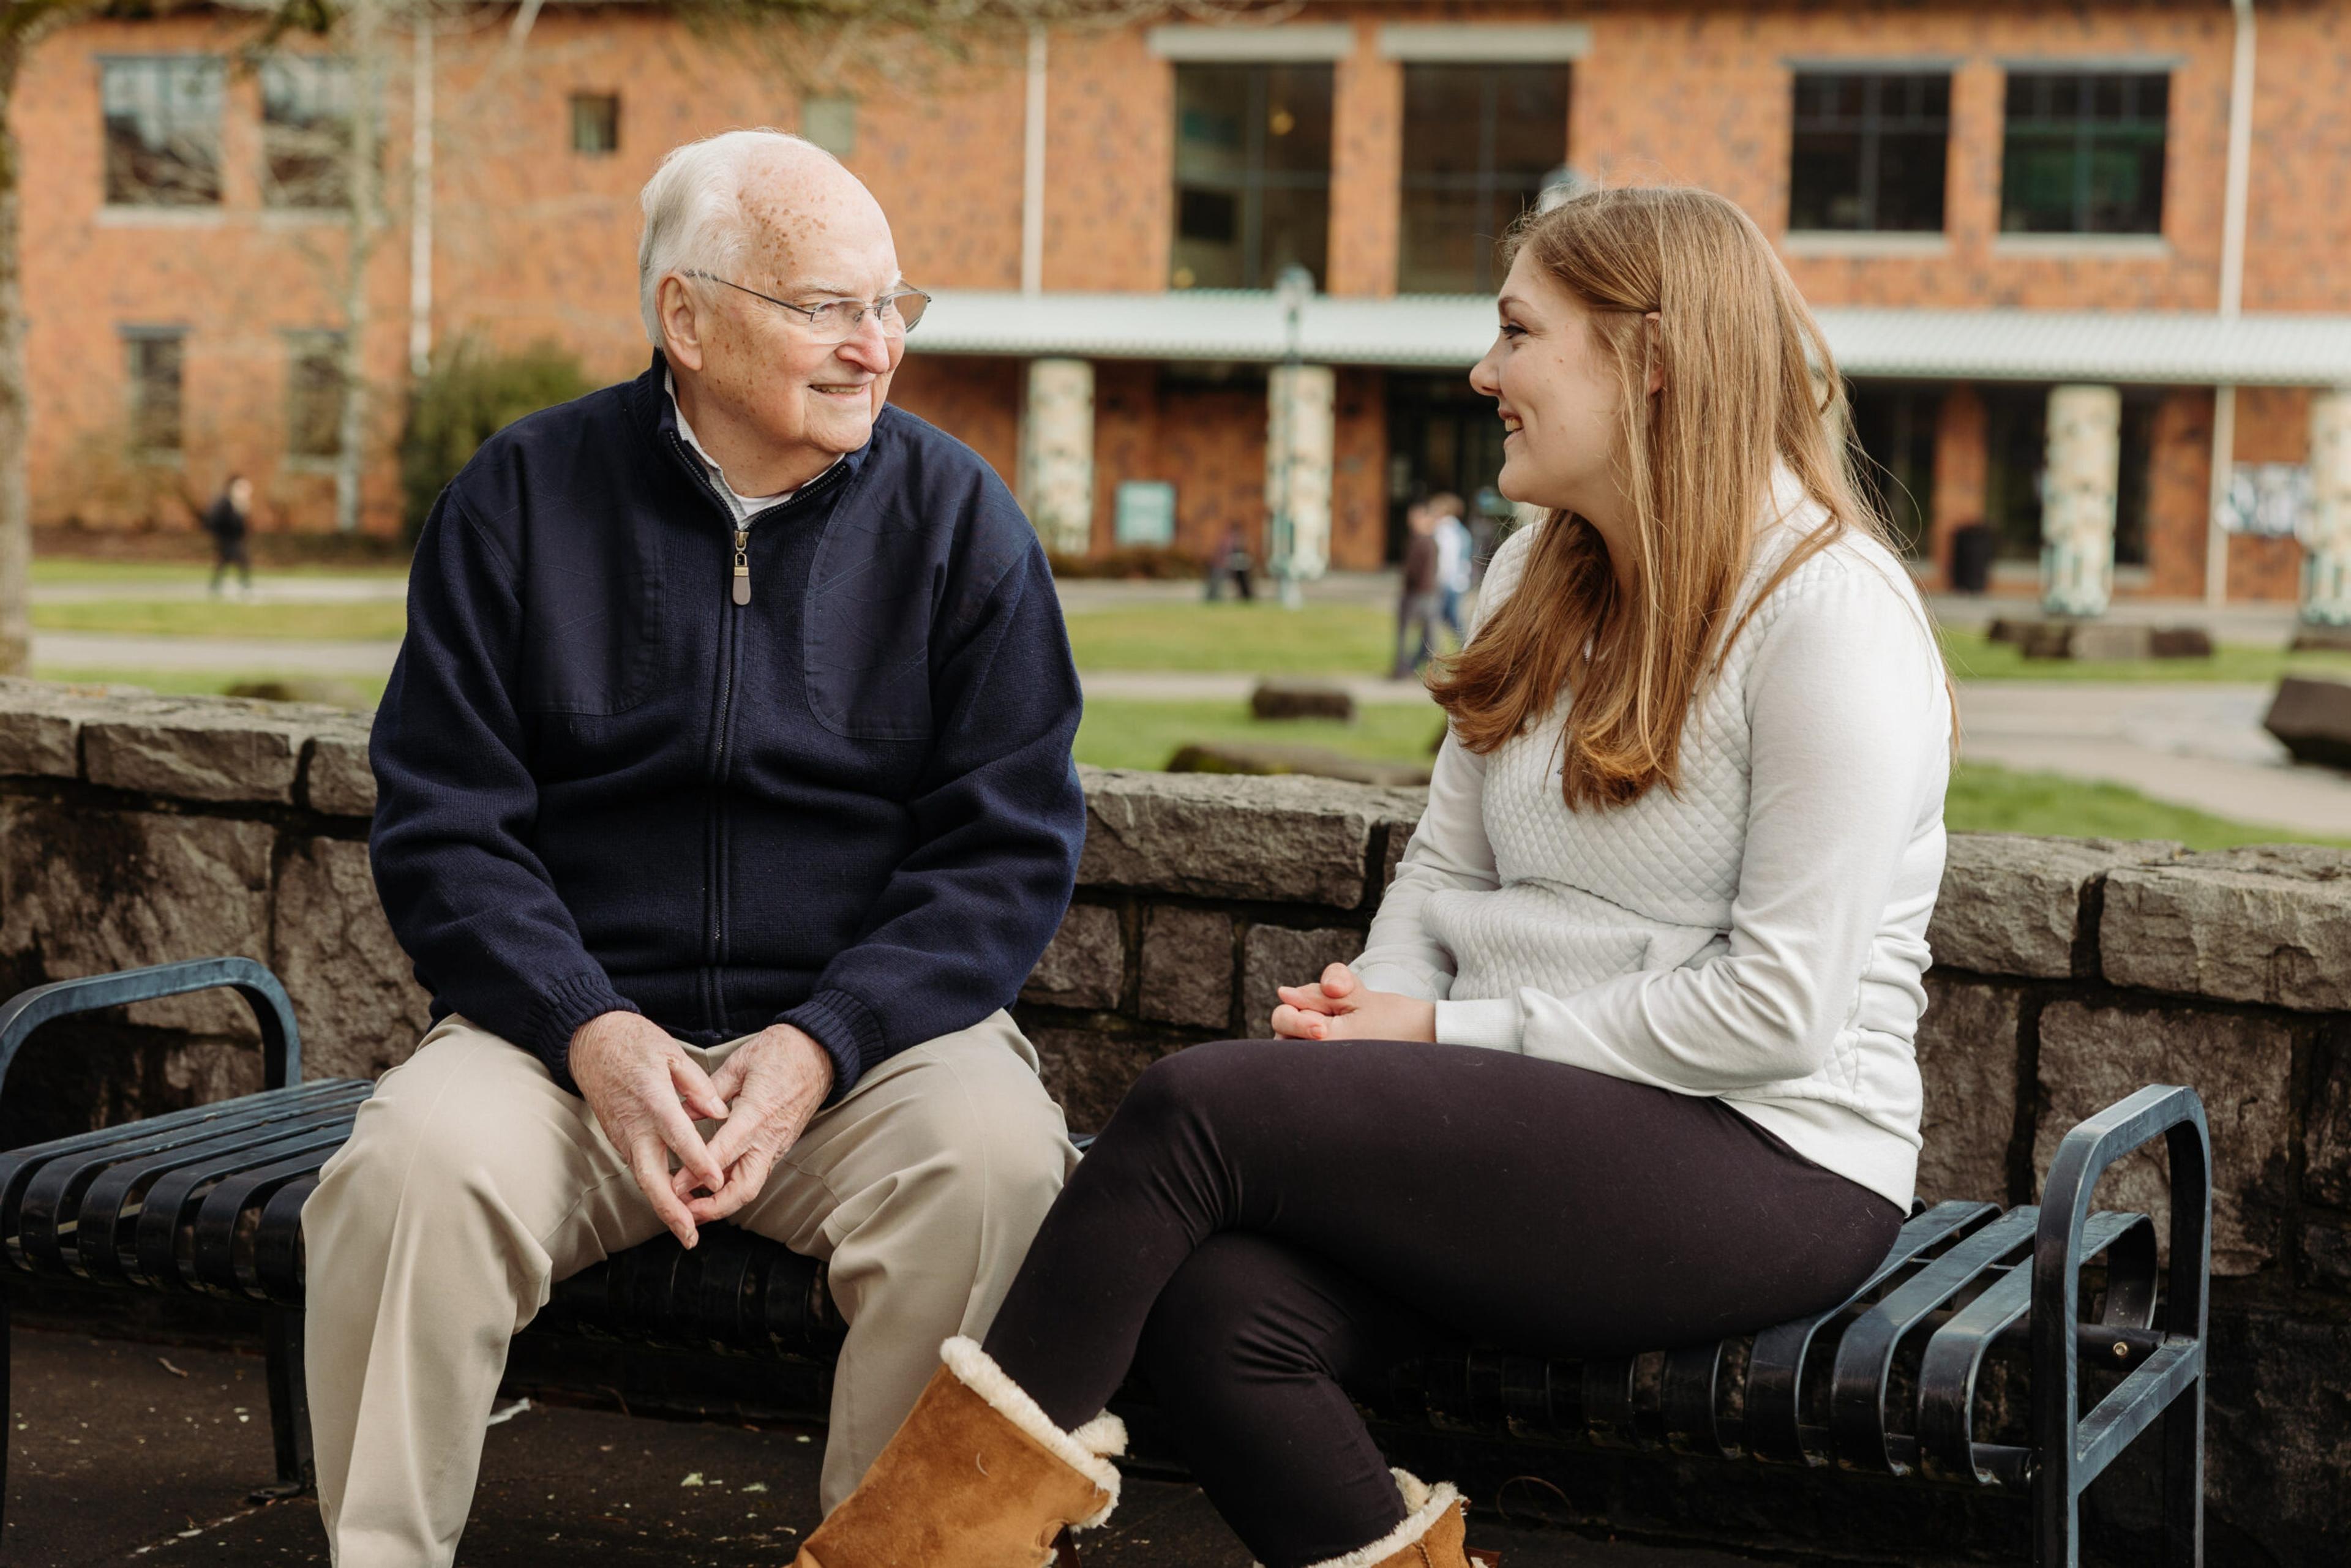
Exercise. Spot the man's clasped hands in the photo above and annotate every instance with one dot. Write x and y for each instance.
(647, 1092)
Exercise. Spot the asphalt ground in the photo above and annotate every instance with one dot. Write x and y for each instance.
(128, 1452)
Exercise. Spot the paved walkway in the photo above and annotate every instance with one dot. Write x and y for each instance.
(265, 591)
(223, 656)
(121, 1451)
(2200, 745)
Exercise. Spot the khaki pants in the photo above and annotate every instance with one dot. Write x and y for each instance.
(472, 1182)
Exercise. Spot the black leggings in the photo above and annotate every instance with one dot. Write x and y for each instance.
(1263, 1219)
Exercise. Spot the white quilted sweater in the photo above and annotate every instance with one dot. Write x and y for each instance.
(1757, 937)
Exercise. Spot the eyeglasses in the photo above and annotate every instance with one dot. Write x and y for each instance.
(837, 320)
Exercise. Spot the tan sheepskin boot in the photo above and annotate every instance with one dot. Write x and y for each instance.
(977, 1477)
(1432, 1535)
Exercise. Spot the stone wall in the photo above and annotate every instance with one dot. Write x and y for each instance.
(136, 828)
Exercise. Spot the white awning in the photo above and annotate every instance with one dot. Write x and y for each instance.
(1449, 331)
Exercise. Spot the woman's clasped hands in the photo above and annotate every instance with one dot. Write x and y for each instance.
(1341, 1007)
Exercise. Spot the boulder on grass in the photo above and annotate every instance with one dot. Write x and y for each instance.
(1275, 756)
(2313, 719)
(1301, 699)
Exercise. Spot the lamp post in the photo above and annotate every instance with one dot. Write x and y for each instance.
(1291, 289)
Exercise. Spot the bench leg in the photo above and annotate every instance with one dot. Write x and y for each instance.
(289, 1403)
(2183, 1479)
(7, 1392)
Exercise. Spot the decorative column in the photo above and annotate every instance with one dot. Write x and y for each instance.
(2326, 528)
(1300, 442)
(2077, 499)
(1057, 453)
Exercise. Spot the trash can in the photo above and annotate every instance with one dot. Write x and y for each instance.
(1972, 547)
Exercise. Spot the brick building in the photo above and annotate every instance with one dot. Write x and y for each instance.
(1986, 203)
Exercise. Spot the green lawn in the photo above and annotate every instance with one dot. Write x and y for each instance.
(1258, 638)
(1974, 657)
(1983, 797)
(362, 620)
(352, 691)
(1127, 733)
(1350, 639)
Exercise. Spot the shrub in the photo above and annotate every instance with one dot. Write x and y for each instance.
(1132, 562)
(471, 395)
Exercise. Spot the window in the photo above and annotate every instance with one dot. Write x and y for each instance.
(1893, 439)
(831, 122)
(1252, 173)
(1868, 150)
(2084, 153)
(154, 356)
(306, 131)
(2016, 451)
(1478, 142)
(162, 129)
(596, 123)
(314, 395)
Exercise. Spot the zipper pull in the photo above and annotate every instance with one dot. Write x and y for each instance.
(742, 566)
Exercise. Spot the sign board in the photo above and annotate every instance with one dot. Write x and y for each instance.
(2267, 500)
(1145, 513)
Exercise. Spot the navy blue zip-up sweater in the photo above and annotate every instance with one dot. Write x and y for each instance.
(602, 785)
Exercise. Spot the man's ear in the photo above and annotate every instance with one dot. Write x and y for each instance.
(1653, 326)
(680, 315)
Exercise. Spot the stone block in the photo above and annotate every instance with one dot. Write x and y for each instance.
(1085, 964)
(1400, 839)
(2270, 924)
(2278, 1436)
(1187, 966)
(2242, 1067)
(2310, 637)
(1089, 1071)
(2326, 1254)
(1966, 1057)
(2107, 640)
(335, 779)
(40, 728)
(1295, 840)
(1274, 955)
(198, 748)
(354, 992)
(2326, 1147)
(2010, 902)
(1301, 699)
(83, 891)
(2312, 718)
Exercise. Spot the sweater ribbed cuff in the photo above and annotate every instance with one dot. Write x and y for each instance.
(559, 1011)
(850, 1034)
(1493, 1025)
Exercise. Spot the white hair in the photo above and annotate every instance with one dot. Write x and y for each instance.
(694, 220)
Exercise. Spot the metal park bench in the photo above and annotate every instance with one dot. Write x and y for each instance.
(207, 1201)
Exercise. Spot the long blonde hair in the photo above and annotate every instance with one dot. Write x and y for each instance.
(1749, 384)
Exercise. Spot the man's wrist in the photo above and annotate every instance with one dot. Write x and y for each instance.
(806, 1045)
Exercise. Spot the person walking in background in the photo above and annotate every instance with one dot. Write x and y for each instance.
(1416, 604)
(1453, 554)
(1232, 561)
(226, 520)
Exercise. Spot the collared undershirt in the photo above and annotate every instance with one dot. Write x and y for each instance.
(744, 506)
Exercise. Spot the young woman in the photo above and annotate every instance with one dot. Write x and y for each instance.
(1627, 1062)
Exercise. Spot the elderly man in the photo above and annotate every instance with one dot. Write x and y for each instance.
(726, 800)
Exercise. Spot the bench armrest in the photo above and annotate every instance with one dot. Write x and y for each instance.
(2070, 1453)
(281, 1042)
